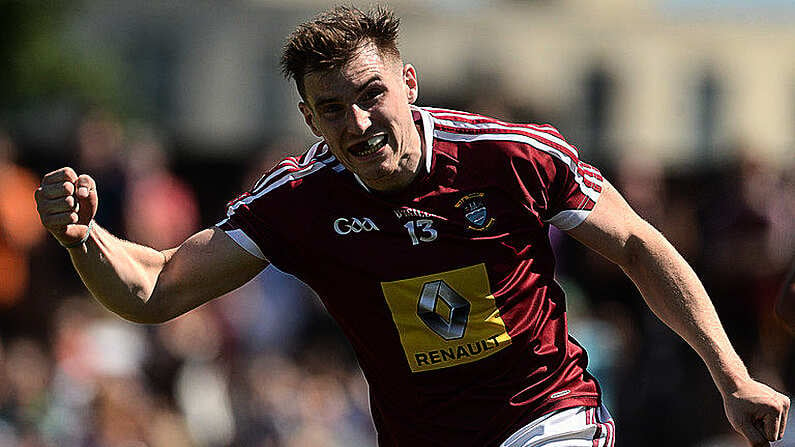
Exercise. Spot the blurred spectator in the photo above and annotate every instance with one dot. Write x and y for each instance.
(160, 210)
(291, 403)
(27, 371)
(273, 309)
(270, 312)
(20, 229)
(201, 383)
(607, 335)
(100, 138)
(785, 303)
(99, 395)
(749, 245)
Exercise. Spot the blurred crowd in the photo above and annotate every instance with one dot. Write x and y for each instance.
(265, 367)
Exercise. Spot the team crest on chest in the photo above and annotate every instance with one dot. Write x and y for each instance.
(475, 211)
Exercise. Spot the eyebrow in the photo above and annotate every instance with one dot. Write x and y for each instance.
(323, 100)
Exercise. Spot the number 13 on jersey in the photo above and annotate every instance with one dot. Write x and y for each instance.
(421, 230)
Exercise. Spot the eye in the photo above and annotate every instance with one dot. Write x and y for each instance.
(331, 110)
(371, 94)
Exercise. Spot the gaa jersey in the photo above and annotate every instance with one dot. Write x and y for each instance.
(446, 289)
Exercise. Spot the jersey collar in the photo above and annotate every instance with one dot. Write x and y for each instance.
(427, 140)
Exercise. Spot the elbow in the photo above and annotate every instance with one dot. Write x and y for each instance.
(150, 310)
(632, 254)
(639, 248)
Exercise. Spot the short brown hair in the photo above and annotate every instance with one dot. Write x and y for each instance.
(332, 38)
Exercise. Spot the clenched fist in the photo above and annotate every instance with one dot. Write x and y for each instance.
(67, 204)
(757, 412)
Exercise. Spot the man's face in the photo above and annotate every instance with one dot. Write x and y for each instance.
(362, 112)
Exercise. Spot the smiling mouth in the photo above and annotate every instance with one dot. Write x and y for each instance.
(369, 146)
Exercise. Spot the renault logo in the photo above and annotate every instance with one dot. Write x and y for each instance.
(452, 324)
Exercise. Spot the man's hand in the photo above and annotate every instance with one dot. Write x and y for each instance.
(66, 203)
(757, 412)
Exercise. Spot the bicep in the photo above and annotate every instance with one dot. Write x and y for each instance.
(207, 265)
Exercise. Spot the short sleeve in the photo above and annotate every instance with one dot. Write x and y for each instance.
(263, 219)
(247, 219)
(240, 225)
(562, 188)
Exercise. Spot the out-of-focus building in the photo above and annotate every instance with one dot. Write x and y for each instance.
(667, 78)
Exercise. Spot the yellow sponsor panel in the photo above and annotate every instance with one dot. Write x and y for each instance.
(447, 318)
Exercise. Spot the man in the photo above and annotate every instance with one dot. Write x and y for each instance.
(424, 231)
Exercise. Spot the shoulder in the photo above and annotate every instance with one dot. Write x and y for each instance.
(515, 140)
(290, 172)
(290, 175)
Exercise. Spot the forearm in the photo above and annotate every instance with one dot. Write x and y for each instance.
(121, 275)
(675, 294)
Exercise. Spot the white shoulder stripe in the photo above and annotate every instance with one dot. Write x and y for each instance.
(437, 113)
(546, 135)
(310, 154)
(317, 151)
(263, 182)
(565, 158)
(287, 178)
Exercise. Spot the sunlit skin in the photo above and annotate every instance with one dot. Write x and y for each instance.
(370, 96)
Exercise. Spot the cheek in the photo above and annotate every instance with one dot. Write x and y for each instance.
(330, 133)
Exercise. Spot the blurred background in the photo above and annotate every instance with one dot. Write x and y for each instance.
(175, 107)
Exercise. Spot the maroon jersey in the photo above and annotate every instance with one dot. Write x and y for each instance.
(446, 289)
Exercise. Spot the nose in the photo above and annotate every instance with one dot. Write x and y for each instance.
(358, 120)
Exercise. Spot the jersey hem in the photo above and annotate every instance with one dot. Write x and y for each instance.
(246, 242)
(574, 401)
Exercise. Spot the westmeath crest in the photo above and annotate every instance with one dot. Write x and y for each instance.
(474, 207)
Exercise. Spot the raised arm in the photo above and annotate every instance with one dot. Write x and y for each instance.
(674, 293)
(136, 282)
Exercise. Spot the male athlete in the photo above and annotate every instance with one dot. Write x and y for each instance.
(425, 233)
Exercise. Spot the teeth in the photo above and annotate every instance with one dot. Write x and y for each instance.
(367, 152)
(376, 140)
(373, 145)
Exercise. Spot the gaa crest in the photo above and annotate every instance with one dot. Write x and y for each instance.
(475, 211)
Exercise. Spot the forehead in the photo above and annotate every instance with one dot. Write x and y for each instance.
(366, 64)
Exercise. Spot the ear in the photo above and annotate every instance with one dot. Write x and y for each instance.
(309, 118)
(410, 80)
